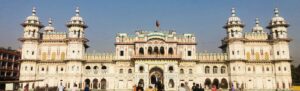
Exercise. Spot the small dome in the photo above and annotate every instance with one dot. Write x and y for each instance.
(49, 28)
(77, 16)
(76, 20)
(257, 28)
(33, 17)
(233, 19)
(277, 19)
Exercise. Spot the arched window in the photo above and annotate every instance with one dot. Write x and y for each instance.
(249, 69)
(42, 68)
(87, 67)
(141, 51)
(189, 53)
(207, 69)
(129, 71)
(162, 50)
(141, 69)
(233, 68)
(121, 71)
(181, 71)
(190, 71)
(279, 69)
(103, 68)
(170, 51)
(284, 68)
(171, 69)
(25, 68)
(95, 67)
(122, 53)
(223, 69)
(150, 50)
(215, 69)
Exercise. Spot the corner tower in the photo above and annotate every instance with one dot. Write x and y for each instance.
(31, 36)
(234, 39)
(76, 37)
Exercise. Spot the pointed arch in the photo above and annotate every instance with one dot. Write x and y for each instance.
(53, 56)
(257, 56)
(248, 55)
(62, 56)
(266, 56)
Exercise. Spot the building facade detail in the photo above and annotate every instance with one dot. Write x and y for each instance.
(249, 60)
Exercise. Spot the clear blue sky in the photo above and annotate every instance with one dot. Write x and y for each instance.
(105, 18)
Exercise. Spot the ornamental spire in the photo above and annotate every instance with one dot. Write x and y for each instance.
(276, 12)
(33, 10)
(157, 23)
(232, 11)
(256, 21)
(77, 11)
(50, 22)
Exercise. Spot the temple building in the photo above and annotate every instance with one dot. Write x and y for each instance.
(258, 59)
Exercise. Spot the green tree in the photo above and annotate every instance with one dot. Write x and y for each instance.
(295, 74)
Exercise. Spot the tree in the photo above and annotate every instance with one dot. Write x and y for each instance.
(295, 74)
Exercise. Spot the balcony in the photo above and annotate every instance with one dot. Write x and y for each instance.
(172, 57)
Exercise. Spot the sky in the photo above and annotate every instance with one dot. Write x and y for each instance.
(105, 18)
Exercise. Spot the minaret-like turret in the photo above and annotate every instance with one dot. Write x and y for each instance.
(233, 42)
(257, 28)
(49, 28)
(76, 26)
(278, 26)
(31, 35)
(32, 25)
(278, 33)
(76, 39)
(234, 26)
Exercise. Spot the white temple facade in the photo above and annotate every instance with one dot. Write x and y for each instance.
(249, 60)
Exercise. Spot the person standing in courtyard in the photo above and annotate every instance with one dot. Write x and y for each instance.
(187, 88)
(60, 87)
(87, 88)
(201, 89)
(194, 86)
(214, 88)
(74, 87)
(134, 88)
(26, 87)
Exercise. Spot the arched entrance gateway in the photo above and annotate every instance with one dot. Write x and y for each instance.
(156, 77)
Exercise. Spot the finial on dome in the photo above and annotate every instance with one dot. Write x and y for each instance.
(157, 23)
(276, 12)
(232, 11)
(50, 21)
(77, 11)
(256, 21)
(33, 10)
